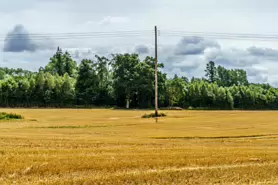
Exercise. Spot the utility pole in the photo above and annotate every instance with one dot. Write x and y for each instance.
(156, 73)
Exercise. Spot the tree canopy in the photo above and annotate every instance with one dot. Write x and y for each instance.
(124, 80)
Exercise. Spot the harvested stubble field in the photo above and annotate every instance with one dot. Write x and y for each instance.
(53, 146)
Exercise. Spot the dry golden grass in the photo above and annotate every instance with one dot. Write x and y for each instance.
(118, 147)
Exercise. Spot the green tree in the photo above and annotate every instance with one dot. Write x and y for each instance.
(68, 92)
(87, 83)
(104, 86)
(9, 91)
(57, 91)
(62, 63)
(211, 72)
(49, 85)
(124, 72)
(22, 91)
(223, 77)
(177, 92)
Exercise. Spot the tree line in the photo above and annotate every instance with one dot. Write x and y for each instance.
(126, 81)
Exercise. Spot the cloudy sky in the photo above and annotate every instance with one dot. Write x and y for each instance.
(181, 55)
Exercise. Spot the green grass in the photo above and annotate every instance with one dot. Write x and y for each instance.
(10, 116)
(152, 115)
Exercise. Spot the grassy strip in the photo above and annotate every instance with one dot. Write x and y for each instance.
(152, 115)
(10, 116)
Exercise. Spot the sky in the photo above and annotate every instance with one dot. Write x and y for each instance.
(185, 56)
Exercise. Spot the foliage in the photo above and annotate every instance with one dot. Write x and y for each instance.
(62, 63)
(133, 81)
(211, 72)
(231, 77)
(124, 80)
(10, 116)
(153, 115)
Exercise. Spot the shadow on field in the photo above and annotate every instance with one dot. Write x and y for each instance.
(218, 137)
(80, 127)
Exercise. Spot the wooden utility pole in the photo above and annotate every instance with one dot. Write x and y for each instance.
(156, 73)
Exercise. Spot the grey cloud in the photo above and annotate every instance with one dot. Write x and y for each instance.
(252, 71)
(263, 52)
(255, 71)
(254, 60)
(188, 55)
(185, 64)
(18, 40)
(233, 58)
(89, 53)
(194, 46)
(79, 54)
(196, 54)
(257, 75)
(142, 49)
(188, 66)
(260, 78)
(233, 62)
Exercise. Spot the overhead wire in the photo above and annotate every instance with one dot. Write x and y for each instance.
(229, 36)
(84, 35)
(139, 33)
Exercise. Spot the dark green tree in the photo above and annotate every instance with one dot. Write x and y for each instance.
(211, 72)
(124, 72)
(62, 63)
(87, 83)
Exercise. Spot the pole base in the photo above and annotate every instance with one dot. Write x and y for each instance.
(156, 113)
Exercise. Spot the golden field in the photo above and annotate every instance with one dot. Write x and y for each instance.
(67, 146)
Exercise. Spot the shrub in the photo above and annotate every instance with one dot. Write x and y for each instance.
(152, 115)
(9, 116)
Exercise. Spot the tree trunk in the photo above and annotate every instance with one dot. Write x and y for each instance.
(127, 103)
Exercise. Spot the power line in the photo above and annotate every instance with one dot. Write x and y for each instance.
(222, 38)
(77, 35)
(78, 38)
(82, 33)
(222, 33)
(139, 33)
(229, 36)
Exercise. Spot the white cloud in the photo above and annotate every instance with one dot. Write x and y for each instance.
(113, 20)
(26, 60)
